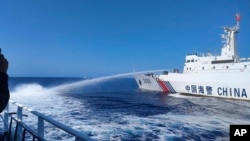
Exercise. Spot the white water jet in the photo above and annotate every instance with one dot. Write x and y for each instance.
(96, 80)
(34, 92)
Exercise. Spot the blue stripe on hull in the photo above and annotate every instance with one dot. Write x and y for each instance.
(170, 87)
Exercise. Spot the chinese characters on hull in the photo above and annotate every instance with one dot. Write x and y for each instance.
(221, 91)
(199, 89)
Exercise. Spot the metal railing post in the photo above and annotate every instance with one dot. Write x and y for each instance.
(40, 129)
(6, 118)
(20, 119)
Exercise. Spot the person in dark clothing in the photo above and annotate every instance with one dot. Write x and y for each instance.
(4, 90)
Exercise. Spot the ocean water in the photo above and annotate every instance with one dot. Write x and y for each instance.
(115, 109)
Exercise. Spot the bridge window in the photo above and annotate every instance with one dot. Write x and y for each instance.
(213, 67)
(227, 67)
(188, 61)
(203, 68)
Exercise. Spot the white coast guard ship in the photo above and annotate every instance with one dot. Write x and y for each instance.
(226, 76)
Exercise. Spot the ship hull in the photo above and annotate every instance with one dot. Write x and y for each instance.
(224, 85)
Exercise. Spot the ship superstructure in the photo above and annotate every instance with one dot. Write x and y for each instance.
(228, 61)
(225, 75)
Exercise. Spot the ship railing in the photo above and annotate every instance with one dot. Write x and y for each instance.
(211, 70)
(39, 134)
(244, 60)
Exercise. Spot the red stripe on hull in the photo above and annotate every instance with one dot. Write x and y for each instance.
(163, 86)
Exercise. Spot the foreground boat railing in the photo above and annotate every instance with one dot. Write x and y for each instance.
(22, 128)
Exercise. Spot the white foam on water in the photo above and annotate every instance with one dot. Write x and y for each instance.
(29, 93)
(212, 122)
(164, 127)
(178, 95)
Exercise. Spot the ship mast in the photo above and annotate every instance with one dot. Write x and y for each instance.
(229, 50)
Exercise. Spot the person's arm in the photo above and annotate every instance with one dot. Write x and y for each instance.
(4, 90)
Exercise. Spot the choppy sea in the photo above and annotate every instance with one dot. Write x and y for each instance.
(115, 109)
